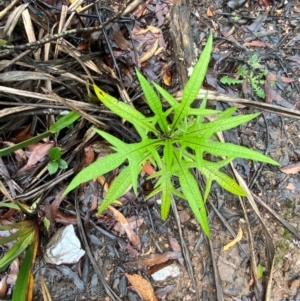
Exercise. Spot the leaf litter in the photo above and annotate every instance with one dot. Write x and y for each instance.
(281, 94)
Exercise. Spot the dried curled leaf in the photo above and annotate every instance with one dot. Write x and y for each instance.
(234, 241)
(142, 287)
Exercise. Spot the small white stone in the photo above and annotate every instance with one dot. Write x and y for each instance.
(169, 271)
(64, 247)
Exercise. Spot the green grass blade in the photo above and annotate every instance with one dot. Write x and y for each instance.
(15, 235)
(125, 111)
(9, 205)
(15, 251)
(22, 284)
(153, 101)
(194, 84)
(64, 122)
(10, 149)
(58, 125)
(19, 225)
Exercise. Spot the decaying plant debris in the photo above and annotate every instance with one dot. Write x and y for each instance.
(52, 51)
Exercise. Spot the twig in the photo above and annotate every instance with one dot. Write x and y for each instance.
(6, 49)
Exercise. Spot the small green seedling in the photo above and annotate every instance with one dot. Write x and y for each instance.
(56, 161)
(252, 73)
(176, 141)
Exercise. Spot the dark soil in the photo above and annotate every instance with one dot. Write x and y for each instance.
(267, 28)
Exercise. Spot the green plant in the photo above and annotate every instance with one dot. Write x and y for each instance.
(176, 141)
(26, 240)
(60, 124)
(56, 162)
(252, 73)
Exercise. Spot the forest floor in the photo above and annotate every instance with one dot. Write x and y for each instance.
(254, 65)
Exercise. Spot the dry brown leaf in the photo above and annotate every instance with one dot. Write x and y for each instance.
(239, 236)
(175, 247)
(153, 259)
(146, 56)
(255, 44)
(147, 168)
(291, 168)
(130, 233)
(209, 13)
(65, 219)
(119, 38)
(103, 182)
(22, 135)
(7, 9)
(153, 29)
(167, 78)
(284, 79)
(132, 251)
(3, 287)
(294, 58)
(38, 153)
(133, 221)
(30, 285)
(270, 93)
(142, 287)
(13, 272)
(13, 19)
(89, 155)
(290, 186)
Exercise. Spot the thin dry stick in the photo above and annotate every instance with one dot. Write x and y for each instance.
(185, 250)
(82, 234)
(35, 45)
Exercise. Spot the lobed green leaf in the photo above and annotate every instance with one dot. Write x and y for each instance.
(133, 152)
(117, 189)
(153, 101)
(212, 173)
(125, 111)
(222, 124)
(191, 191)
(100, 167)
(167, 96)
(194, 84)
(232, 150)
(230, 80)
